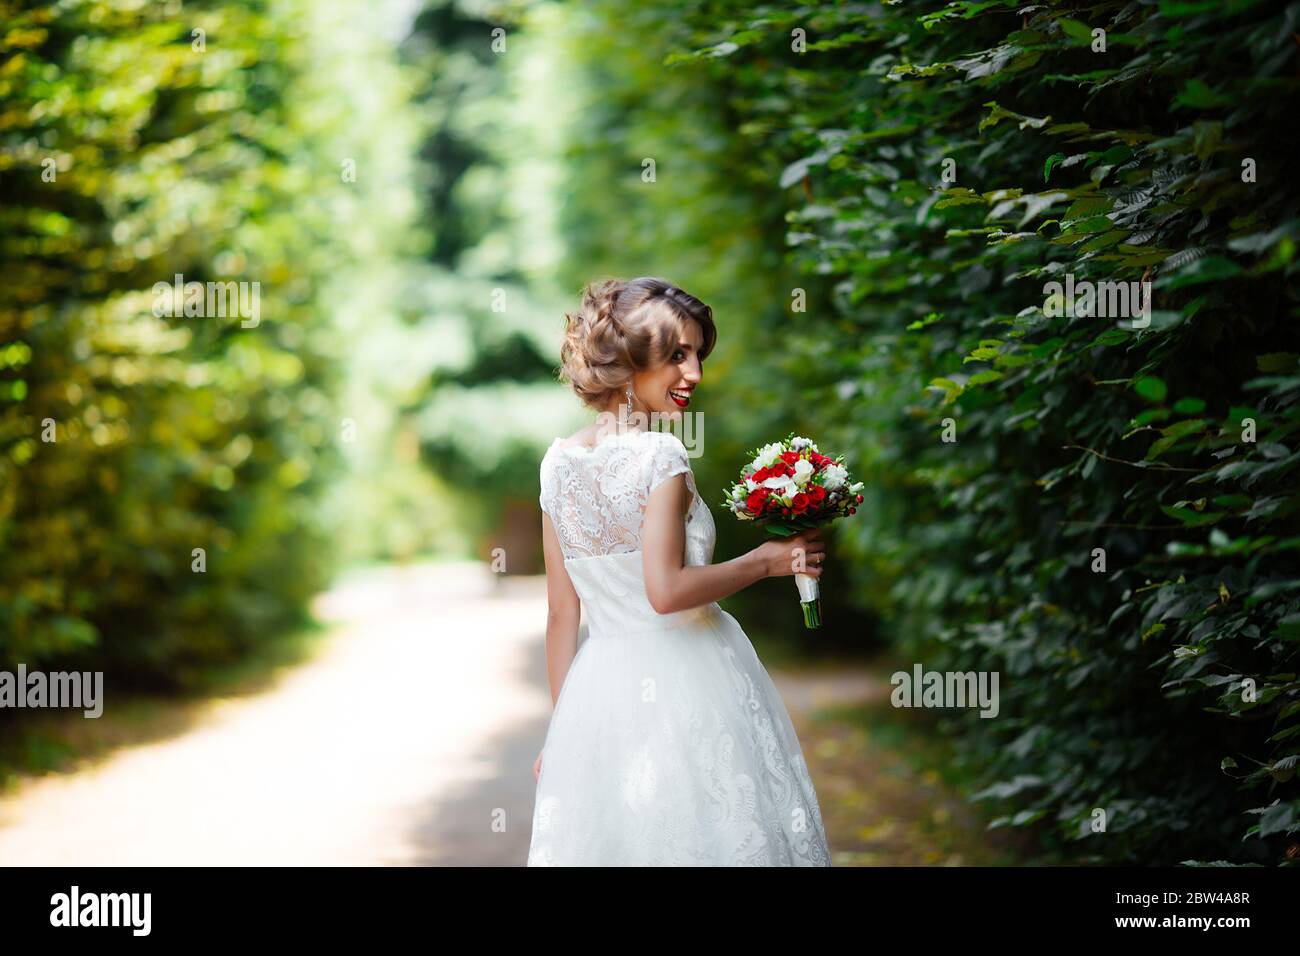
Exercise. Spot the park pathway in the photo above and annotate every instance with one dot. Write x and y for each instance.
(407, 739)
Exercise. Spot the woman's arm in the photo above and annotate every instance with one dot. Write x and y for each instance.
(671, 585)
(563, 611)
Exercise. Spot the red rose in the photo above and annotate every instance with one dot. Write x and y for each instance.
(799, 502)
(789, 457)
(818, 493)
(759, 476)
(757, 498)
(780, 469)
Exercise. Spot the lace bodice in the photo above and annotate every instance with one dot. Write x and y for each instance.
(596, 498)
(596, 495)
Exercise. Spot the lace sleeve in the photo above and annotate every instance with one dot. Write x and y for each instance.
(668, 458)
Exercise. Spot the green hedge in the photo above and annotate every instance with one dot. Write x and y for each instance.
(1122, 689)
(166, 155)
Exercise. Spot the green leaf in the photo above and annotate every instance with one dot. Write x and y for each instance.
(1075, 30)
(1051, 162)
(1151, 388)
(1277, 362)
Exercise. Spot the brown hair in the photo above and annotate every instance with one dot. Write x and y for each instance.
(625, 327)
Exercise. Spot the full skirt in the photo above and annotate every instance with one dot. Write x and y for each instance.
(672, 747)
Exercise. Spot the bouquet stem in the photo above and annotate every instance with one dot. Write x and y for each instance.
(809, 600)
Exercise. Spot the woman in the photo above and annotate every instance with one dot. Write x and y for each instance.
(669, 744)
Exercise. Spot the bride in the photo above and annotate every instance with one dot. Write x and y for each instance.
(669, 744)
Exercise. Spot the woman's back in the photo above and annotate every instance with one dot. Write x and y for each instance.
(596, 498)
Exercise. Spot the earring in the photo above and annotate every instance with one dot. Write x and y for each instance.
(628, 414)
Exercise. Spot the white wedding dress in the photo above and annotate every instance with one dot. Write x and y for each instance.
(669, 744)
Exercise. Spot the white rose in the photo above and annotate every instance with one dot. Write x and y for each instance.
(803, 469)
(780, 484)
(799, 443)
(835, 476)
(767, 455)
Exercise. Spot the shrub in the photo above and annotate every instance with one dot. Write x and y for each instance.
(1114, 527)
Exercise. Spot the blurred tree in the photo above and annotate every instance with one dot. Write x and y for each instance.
(486, 407)
(161, 475)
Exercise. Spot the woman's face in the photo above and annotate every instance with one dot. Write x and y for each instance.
(668, 388)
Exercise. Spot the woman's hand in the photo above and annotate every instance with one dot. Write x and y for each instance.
(537, 768)
(804, 553)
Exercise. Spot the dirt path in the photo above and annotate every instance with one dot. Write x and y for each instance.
(881, 803)
(340, 762)
(425, 760)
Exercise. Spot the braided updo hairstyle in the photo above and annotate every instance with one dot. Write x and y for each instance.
(625, 327)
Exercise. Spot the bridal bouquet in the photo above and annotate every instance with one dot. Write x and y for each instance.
(788, 487)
